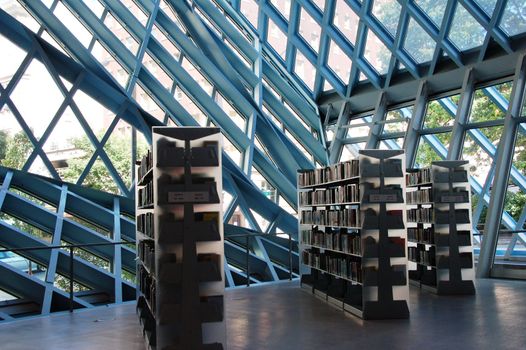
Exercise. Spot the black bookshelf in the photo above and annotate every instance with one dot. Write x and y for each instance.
(180, 241)
(439, 228)
(352, 234)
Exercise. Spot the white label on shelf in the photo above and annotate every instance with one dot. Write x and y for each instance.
(179, 197)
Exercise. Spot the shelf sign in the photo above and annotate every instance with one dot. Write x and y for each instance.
(389, 198)
(455, 198)
(188, 197)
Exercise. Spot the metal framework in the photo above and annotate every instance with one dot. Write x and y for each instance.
(279, 78)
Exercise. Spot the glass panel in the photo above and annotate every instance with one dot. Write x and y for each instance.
(305, 70)
(277, 39)
(320, 4)
(432, 148)
(166, 43)
(46, 97)
(15, 146)
(434, 9)
(12, 57)
(283, 6)
(230, 111)
(388, 13)
(15, 10)
(484, 108)
(437, 115)
(359, 127)
(197, 76)
(339, 62)
(479, 159)
(513, 20)
(122, 34)
(487, 5)
(418, 43)
(309, 30)
(466, 33)
(397, 120)
(397, 143)
(346, 21)
(157, 71)
(377, 53)
(136, 11)
(72, 23)
(69, 152)
(250, 10)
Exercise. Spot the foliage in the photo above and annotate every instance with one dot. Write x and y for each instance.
(16, 150)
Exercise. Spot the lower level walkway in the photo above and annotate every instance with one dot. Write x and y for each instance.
(281, 316)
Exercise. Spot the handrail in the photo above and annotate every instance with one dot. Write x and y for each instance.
(71, 248)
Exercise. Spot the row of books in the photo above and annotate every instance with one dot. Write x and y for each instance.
(424, 235)
(345, 217)
(330, 173)
(343, 242)
(418, 177)
(147, 287)
(146, 252)
(347, 267)
(422, 256)
(145, 195)
(145, 224)
(426, 215)
(145, 165)
(424, 195)
(341, 194)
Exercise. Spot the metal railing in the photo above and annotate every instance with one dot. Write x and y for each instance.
(71, 248)
(247, 250)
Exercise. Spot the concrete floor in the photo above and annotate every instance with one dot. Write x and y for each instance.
(281, 316)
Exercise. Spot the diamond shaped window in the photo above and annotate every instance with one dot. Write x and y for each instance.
(418, 43)
(434, 9)
(346, 21)
(513, 20)
(339, 62)
(466, 33)
(310, 30)
(388, 13)
(376, 53)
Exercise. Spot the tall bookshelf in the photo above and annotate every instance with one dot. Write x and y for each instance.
(352, 234)
(439, 228)
(180, 249)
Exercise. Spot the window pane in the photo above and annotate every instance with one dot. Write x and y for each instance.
(437, 115)
(484, 107)
(376, 53)
(434, 9)
(310, 30)
(432, 148)
(388, 13)
(346, 21)
(305, 70)
(397, 120)
(418, 43)
(513, 20)
(277, 39)
(466, 33)
(339, 62)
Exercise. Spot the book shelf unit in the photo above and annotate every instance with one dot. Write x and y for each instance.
(353, 237)
(180, 271)
(439, 228)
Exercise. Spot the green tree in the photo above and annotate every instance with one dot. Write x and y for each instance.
(17, 149)
(4, 138)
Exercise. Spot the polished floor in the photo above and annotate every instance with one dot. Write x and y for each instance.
(281, 316)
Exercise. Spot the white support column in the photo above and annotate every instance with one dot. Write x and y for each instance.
(53, 257)
(415, 124)
(117, 250)
(504, 159)
(462, 116)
